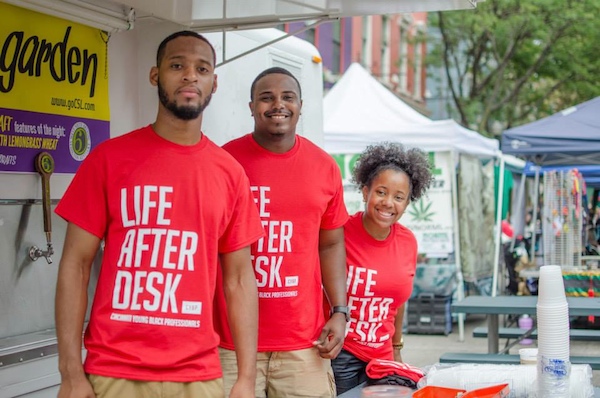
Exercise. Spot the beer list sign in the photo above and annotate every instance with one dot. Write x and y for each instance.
(53, 90)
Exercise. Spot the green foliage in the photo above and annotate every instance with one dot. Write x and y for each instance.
(514, 61)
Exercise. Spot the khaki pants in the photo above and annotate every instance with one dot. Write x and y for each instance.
(284, 374)
(108, 387)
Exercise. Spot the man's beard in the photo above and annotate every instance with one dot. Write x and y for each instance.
(183, 112)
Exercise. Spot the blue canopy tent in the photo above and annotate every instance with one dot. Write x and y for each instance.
(567, 138)
(590, 173)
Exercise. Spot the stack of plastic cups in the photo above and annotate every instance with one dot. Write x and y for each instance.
(554, 367)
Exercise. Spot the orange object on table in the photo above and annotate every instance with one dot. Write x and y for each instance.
(498, 391)
(437, 392)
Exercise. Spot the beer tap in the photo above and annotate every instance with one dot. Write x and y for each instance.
(44, 165)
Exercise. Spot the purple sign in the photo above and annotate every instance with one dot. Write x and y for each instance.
(68, 139)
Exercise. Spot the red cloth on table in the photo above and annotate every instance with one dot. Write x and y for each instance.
(380, 368)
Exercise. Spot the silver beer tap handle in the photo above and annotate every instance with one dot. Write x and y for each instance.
(35, 253)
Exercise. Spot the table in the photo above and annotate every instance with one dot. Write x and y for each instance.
(519, 305)
(355, 392)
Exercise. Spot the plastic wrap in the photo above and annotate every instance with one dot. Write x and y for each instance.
(520, 378)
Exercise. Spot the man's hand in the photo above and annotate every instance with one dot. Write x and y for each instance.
(78, 387)
(332, 254)
(332, 336)
(243, 388)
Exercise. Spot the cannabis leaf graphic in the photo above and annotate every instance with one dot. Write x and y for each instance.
(421, 211)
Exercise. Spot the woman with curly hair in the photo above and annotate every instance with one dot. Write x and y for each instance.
(381, 258)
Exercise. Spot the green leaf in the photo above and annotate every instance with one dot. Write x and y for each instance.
(513, 61)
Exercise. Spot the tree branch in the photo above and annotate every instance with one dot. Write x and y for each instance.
(503, 61)
(446, 52)
(531, 109)
(558, 34)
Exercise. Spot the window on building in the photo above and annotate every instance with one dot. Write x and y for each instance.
(367, 41)
(418, 68)
(418, 63)
(385, 49)
(403, 57)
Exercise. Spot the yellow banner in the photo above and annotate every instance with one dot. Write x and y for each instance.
(51, 65)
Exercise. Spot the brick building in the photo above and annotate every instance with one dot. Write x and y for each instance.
(392, 47)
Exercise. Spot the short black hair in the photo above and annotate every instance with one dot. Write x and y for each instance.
(393, 156)
(270, 71)
(160, 53)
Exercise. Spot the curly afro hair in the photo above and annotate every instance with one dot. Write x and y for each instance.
(389, 155)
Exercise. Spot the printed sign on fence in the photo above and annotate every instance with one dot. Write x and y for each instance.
(429, 218)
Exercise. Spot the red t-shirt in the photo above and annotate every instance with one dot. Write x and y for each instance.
(297, 194)
(380, 280)
(165, 212)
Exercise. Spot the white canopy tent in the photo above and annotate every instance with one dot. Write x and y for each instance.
(359, 111)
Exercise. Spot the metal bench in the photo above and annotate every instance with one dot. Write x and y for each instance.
(515, 333)
(467, 357)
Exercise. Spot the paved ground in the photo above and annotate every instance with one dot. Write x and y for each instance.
(421, 350)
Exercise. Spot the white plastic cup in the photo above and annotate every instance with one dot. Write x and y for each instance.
(557, 326)
(551, 287)
(553, 338)
(559, 331)
(550, 318)
(556, 349)
(528, 356)
(556, 353)
(552, 308)
(552, 312)
(553, 377)
(562, 356)
(550, 270)
(558, 340)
